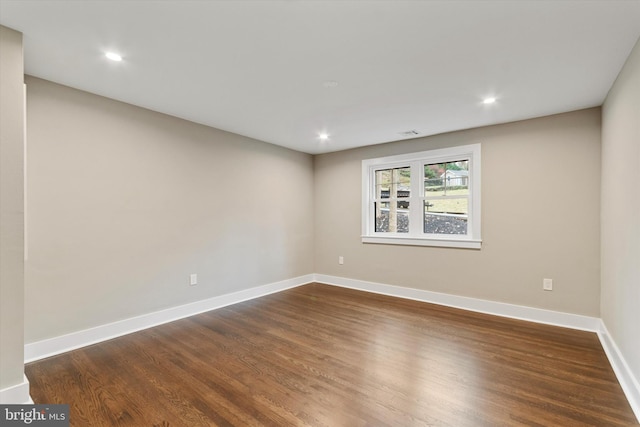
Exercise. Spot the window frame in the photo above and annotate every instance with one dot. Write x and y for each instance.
(416, 235)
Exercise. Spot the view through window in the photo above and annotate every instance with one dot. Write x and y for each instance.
(427, 198)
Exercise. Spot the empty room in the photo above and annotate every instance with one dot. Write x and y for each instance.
(320, 213)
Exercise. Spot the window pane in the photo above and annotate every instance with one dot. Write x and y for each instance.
(403, 178)
(392, 217)
(446, 179)
(393, 183)
(449, 205)
(439, 224)
(446, 216)
(432, 179)
(383, 183)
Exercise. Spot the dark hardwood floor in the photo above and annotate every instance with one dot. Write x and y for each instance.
(320, 355)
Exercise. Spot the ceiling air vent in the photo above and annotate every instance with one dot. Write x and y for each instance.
(409, 133)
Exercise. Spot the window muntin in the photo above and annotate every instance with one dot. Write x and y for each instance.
(430, 198)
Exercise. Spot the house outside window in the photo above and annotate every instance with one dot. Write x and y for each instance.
(430, 198)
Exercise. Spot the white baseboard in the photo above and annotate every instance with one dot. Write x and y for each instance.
(627, 380)
(538, 315)
(625, 377)
(16, 394)
(50, 347)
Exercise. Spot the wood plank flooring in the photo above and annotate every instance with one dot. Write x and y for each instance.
(320, 355)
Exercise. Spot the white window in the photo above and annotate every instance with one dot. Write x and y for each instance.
(431, 198)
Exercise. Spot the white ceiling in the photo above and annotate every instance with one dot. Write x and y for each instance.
(259, 68)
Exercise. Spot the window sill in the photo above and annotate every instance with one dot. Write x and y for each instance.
(413, 241)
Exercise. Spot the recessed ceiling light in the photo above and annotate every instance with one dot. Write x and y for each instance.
(489, 100)
(113, 56)
(323, 136)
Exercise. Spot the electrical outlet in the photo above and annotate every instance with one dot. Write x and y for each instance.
(547, 284)
(193, 279)
(341, 260)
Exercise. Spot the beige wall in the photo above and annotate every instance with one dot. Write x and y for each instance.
(540, 217)
(124, 203)
(11, 208)
(620, 305)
